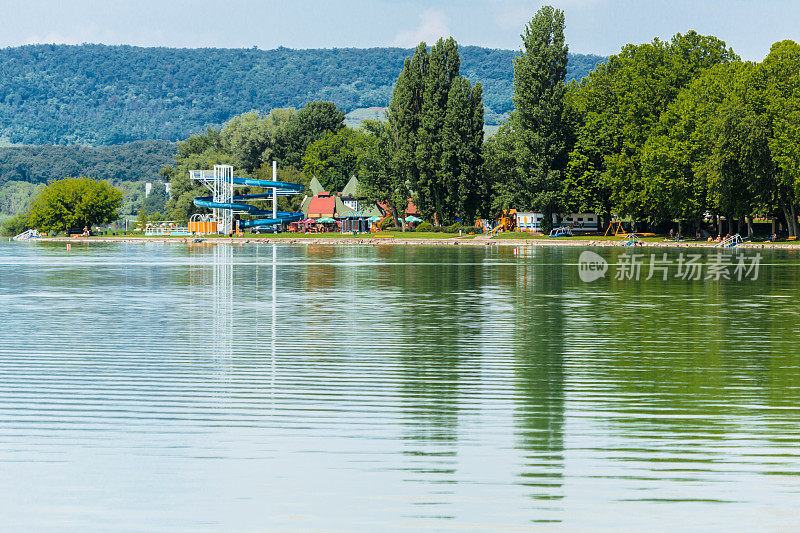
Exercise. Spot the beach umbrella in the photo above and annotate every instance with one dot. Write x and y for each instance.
(375, 219)
(413, 219)
(326, 220)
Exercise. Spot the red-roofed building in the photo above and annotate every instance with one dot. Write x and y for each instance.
(322, 205)
(411, 209)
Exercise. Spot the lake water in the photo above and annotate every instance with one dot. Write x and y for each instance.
(393, 388)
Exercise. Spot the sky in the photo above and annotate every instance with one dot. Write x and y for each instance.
(592, 26)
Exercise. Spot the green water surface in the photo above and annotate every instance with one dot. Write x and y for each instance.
(156, 387)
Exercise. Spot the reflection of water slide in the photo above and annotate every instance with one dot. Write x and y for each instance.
(230, 319)
(224, 202)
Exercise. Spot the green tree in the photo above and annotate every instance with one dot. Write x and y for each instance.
(462, 179)
(141, 220)
(781, 74)
(15, 225)
(499, 166)
(619, 106)
(74, 203)
(681, 181)
(311, 123)
(436, 127)
(431, 185)
(404, 117)
(249, 139)
(382, 179)
(253, 139)
(334, 158)
(156, 201)
(743, 168)
(537, 123)
(16, 196)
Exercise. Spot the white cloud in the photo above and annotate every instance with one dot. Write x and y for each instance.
(514, 14)
(433, 24)
(513, 17)
(49, 38)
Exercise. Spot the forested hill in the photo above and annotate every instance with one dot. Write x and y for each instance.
(98, 94)
(133, 161)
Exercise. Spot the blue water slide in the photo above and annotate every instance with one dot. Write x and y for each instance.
(282, 188)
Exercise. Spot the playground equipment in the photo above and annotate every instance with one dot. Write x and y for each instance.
(29, 235)
(507, 220)
(731, 241)
(563, 231)
(615, 226)
(632, 239)
(224, 203)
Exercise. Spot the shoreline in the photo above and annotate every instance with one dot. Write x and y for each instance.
(373, 241)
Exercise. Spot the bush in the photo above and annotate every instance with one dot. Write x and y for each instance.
(74, 203)
(454, 228)
(386, 223)
(424, 226)
(15, 225)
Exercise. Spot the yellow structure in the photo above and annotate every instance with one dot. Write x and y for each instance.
(507, 220)
(202, 226)
(615, 226)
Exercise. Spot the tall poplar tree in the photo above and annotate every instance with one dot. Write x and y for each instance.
(431, 186)
(405, 110)
(538, 118)
(461, 175)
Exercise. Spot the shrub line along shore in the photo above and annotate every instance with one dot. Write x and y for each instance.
(451, 241)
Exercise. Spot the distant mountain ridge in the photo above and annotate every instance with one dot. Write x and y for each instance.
(104, 95)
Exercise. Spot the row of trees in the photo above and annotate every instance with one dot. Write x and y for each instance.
(431, 145)
(662, 132)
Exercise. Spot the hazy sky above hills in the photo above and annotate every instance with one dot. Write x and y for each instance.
(593, 26)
